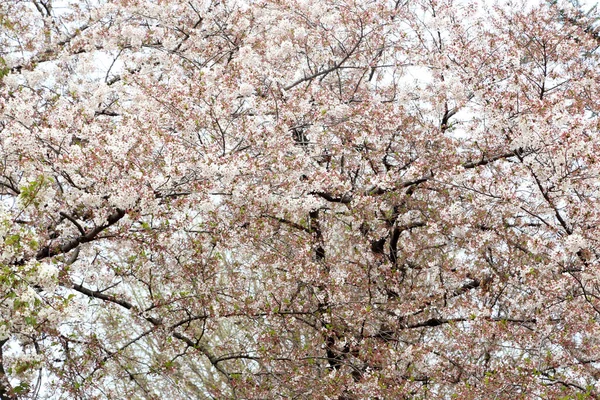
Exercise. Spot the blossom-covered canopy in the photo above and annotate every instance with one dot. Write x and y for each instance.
(337, 199)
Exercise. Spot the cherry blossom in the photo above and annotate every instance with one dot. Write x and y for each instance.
(299, 199)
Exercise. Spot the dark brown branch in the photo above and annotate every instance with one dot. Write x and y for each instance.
(474, 284)
(546, 196)
(396, 235)
(236, 356)
(188, 320)
(73, 220)
(515, 320)
(433, 322)
(10, 186)
(89, 236)
(288, 222)
(345, 199)
(99, 295)
(487, 160)
(204, 350)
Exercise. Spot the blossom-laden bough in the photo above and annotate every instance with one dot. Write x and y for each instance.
(341, 199)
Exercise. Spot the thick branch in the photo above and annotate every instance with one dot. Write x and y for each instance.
(433, 322)
(396, 235)
(345, 199)
(487, 160)
(74, 221)
(89, 236)
(99, 295)
(288, 222)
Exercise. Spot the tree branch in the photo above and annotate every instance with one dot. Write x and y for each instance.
(157, 322)
(89, 236)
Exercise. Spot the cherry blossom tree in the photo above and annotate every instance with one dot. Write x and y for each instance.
(342, 199)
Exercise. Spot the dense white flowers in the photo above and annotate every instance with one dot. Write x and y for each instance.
(239, 200)
(246, 89)
(575, 242)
